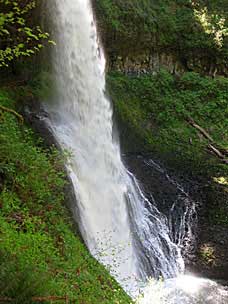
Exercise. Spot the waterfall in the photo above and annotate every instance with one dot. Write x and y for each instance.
(121, 228)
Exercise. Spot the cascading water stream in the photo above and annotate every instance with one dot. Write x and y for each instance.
(119, 225)
(112, 208)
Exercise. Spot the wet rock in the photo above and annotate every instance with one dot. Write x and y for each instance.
(35, 115)
(212, 258)
(207, 252)
(170, 198)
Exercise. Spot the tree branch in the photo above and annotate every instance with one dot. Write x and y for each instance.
(202, 131)
(213, 147)
(5, 109)
(218, 153)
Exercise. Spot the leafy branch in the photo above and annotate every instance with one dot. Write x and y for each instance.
(19, 37)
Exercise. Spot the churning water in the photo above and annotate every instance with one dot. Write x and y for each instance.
(184, 290)
(120, 226)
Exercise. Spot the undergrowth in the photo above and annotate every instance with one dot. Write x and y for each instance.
(153, 114)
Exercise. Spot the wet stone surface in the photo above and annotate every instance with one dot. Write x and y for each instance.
(207, 251)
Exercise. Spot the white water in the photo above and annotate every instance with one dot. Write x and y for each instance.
(184, 290)
(120, 227)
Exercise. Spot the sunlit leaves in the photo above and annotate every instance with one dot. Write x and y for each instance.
(213, 24)
(19, 36)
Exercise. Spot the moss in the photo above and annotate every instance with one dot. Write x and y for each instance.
(40, 255)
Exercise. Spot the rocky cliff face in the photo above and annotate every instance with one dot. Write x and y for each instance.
(147, 63)
(150, 63)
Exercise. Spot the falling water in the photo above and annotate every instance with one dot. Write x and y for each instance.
(182, 214)
(119, 225)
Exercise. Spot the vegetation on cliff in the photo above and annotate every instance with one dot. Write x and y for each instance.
(156, 114)
(180, 116)
(196, 32)
(40, 254)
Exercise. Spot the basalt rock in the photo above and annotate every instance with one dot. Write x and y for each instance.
(147, 63)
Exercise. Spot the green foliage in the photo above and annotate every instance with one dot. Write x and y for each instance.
(194, 31)
(152, 112)
(40, 255)
(19, 36)
(158, 106)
